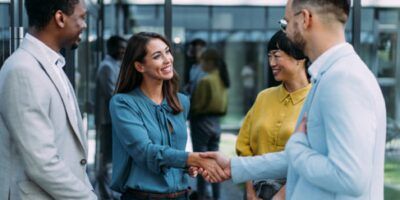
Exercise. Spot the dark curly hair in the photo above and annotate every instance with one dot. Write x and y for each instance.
(40, 12)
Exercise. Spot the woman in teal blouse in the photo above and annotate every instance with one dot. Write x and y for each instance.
(149, 125)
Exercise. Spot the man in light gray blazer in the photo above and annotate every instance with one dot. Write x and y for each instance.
(43, 148)
(337, 150)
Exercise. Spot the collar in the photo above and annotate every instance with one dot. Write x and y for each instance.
(52, 56)
(296, 96)
(163, 106)
(315, 69)
(112, 60)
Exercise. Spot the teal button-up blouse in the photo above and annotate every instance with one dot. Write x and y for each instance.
(147, 155)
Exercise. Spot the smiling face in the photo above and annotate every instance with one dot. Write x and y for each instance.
(158, 62)
(283, 66)
(74, 26)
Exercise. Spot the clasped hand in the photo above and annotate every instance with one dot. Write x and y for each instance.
(213, 166)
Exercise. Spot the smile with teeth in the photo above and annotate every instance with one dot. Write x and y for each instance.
(274, 71)
(166, 69)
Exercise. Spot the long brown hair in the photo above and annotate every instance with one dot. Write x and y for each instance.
(129, 78)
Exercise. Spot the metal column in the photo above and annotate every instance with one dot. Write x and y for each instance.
(356, 28)
(168, 19)
(16, 26)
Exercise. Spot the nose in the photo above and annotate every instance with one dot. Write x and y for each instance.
(84, 25)
(168, 58)
(271, 62)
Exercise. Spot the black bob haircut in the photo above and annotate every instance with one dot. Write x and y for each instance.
(279, 41)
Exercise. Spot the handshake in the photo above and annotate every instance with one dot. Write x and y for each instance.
(213, 166)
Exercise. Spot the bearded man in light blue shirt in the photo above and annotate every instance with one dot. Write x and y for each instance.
(337, 150)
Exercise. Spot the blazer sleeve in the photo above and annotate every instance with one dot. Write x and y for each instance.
(34, 135)
(267, 166)
(349, 123)
(131, 132)
(243, 147)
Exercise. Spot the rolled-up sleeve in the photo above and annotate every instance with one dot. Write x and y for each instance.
(130, 130)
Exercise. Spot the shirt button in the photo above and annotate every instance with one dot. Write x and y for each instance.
(83, 162)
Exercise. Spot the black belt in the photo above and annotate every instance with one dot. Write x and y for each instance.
(151, 195)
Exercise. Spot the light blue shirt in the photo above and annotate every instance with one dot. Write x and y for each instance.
(147, 155)
(342, 154)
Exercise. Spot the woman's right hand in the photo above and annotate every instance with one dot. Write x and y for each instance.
(250, 192)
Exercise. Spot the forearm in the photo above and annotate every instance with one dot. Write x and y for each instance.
(156, 157)
(271, 165)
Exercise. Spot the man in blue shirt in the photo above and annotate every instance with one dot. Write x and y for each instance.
(337, 150)
(106, 79)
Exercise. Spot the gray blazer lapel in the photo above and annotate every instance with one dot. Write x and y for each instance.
(48, 68)
(343, 52)
(79, 118)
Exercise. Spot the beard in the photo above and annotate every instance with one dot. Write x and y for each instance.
(74, 46)
(298, 40)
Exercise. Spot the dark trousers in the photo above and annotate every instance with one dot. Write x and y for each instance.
(128, 196)
(206, 134)
(103, 161)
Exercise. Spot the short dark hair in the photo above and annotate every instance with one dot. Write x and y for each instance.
(279, 41)
(339, 8)
(113, 44)
(198, 41)
(40, 12)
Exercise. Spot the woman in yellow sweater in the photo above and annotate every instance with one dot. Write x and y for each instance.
(272, 118)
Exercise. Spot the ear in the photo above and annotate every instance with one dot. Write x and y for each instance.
(139, 67)
(307, 16)
(59, 18)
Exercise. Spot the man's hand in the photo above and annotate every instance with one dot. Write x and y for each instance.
(221, 160)
(302, 128)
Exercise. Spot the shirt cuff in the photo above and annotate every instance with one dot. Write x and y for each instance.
(181, 159)
(237, 170)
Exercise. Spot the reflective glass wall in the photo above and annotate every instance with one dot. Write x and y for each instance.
(4, 31)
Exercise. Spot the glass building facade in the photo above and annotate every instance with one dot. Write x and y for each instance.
(240, 31)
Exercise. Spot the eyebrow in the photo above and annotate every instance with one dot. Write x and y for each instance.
(273, 51)
(159, 51)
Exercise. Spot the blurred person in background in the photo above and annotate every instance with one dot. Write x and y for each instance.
(208, 103)
(106, 80)
(196, 48)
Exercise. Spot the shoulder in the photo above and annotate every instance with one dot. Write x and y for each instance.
(24, 66)
(272, 91)
(124, 100)
(20, 59)
(184, 101)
